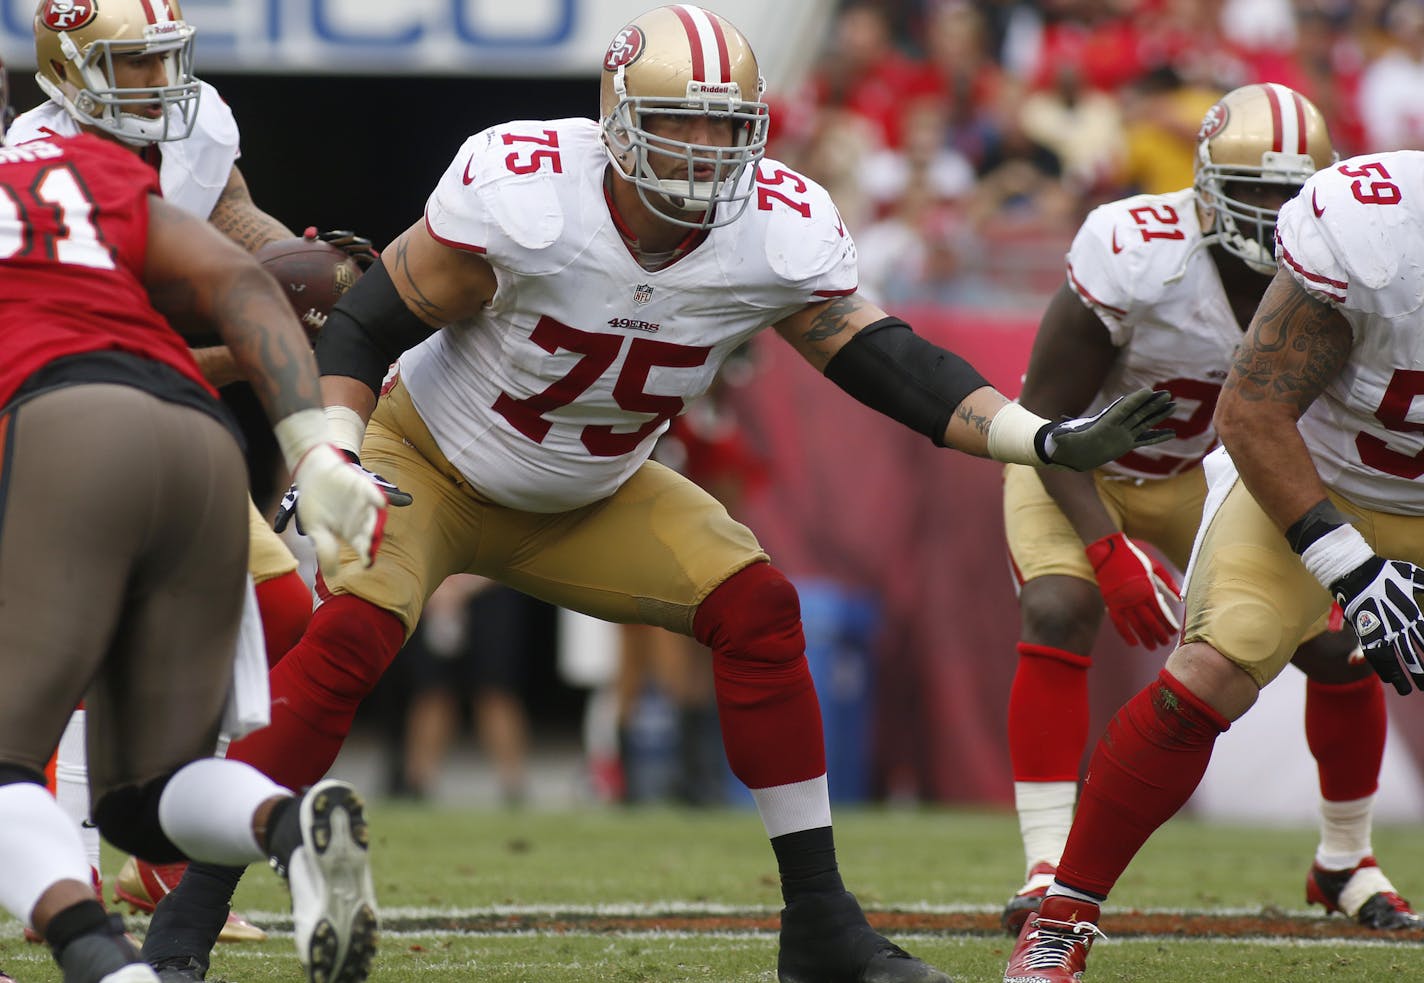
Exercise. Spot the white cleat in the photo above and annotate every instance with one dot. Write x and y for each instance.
(333, 903)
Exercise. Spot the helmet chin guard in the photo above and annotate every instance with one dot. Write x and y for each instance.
(674, 61)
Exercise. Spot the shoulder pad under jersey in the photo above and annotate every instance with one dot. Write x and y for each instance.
(46, 120)
(806, 242)
(1352, 235)
(1127, 253)
(505, 192)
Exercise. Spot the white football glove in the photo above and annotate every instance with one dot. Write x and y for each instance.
(338, 504)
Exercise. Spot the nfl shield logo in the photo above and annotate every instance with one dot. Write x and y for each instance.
(642, 293)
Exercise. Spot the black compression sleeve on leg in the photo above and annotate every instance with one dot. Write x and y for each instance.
(368, 329)
(896, 372)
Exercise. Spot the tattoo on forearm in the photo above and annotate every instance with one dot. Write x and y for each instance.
(978, 421)
(414, 296)
(832, 319)
(249, 306)
(236, 217)
(1293, 350)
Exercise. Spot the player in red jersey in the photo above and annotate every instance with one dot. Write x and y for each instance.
(123, 554)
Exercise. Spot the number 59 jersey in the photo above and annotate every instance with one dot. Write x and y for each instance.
(555, 393)
(1354, 239)
(1138, 263)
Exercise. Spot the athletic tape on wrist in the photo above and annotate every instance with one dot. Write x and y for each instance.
(299, 433)
(1013, 436)
(1335, 554)
(346, 427)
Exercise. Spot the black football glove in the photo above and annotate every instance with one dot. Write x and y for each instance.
(288, 508)
(1123, 425)
(1378, 600)
(357, 247)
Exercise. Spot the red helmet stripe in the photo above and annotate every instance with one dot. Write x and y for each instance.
(724, 60)
(158, 11)
(1299, 101)
(694, 41)
(707, 41)
(1276, 117)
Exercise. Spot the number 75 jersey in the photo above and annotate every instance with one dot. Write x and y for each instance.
(555, 393)
(1354, 239)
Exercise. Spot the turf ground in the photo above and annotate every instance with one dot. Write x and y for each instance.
(662, 895)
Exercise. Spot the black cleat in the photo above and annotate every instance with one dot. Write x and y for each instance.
(826, 939)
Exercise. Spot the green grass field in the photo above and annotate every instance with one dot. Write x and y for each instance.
(501, 897)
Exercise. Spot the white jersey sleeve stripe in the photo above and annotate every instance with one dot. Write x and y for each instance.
(707, 42)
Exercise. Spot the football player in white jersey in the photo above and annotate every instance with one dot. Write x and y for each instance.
(123, 70)
(570, 287)
(1315, 494)
(1158, 293)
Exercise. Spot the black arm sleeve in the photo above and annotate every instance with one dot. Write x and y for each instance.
(368, 329)
(896, 372)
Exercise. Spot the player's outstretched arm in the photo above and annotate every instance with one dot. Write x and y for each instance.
(204, 282)
(880, 361)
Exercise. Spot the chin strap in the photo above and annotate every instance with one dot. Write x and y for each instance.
(1204, 242)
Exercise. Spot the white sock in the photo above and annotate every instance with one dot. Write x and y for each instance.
(39, 848)
(1045, 815)
(1059, 891)
(71, 784)
(1345, 829)
(792, 808)
(207, 810)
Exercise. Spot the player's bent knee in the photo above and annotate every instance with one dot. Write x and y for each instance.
(754, 615)
(354, 640)
(11, 774)
(128, 818)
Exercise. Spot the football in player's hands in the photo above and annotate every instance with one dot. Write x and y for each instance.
(313, 274)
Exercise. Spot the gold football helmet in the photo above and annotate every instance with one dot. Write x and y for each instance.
(1263, 133)
(76, 45)
(682, 60)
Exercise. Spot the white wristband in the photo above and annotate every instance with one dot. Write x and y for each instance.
(1011, 435)
(299, 433)
(1335, 554)
(347, 428)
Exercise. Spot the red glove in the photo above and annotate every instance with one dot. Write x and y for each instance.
(1136, 590)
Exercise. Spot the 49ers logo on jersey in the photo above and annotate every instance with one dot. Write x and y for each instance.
(67, 15)
(1213, 122)
(625, 49)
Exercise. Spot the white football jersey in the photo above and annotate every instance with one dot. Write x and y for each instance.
(192, 172)
(1138, 263)
(555, 393)
(1354, 238)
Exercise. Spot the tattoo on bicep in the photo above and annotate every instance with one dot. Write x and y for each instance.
(1296, 345)
(832, 319)
(423, 303)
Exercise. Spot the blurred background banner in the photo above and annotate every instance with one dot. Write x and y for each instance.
(463, 37)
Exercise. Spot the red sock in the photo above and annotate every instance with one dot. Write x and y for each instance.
(771, 719)
(1345, 726)
(317, 687)
(286, 606)
(1144, 769)
(1048, 714)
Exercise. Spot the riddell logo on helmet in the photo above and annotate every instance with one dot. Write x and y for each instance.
(1214, 121)
(67, 15)
(625, 49)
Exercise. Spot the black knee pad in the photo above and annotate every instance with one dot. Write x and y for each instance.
(128, 818)
(20, 775)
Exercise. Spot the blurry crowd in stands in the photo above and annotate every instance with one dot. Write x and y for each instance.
(964, 141)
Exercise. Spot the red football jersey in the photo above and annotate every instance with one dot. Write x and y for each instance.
(73, 237)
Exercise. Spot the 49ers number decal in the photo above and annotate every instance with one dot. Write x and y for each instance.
(71, 237)
(1404, 386)
(599, 351)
